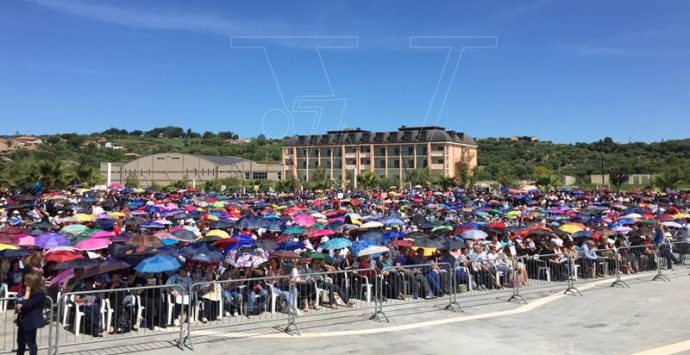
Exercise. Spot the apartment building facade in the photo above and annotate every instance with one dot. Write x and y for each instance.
(386, 154)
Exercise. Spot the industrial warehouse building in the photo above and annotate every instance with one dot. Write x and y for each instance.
(167, 168)
(387, 154)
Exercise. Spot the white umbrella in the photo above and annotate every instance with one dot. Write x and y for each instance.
(474, 234)
(672, 224)
(371, 250)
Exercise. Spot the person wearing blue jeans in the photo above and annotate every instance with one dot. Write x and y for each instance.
(251, 298)
(232, 298)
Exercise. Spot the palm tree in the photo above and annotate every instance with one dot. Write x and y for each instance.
(367, 180)
(669, 179)
(444, 182)
(52, 174)
(419, 177)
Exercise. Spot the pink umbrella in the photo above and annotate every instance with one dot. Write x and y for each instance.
(93, 244)
(115, 187)
(320, 233)
(26, 241)
(62, 277)
(164, 235)
(303, 220)
(102, 234)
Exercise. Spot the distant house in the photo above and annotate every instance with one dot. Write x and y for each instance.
(237, 141)
(103, 142)
(5, 145)
(24, 142)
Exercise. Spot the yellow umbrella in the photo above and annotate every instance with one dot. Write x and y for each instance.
(117, 214)
(427, 251)
(571, 228)
(218, 233)
(681, 216)
(8, 247)
(212, 218)
(83, 217)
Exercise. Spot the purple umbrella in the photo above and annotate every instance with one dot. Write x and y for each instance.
(50, 241)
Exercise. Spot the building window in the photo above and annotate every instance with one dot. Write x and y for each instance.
(280, 176)
(246, 176)
(259, 176)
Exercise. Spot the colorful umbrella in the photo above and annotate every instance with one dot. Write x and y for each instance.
(336, 243)
(92, 244)
(50, 241)
(158, 263)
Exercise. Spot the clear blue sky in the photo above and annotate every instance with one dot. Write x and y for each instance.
(565, 71)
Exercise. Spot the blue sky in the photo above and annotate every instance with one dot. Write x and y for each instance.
(565, 71)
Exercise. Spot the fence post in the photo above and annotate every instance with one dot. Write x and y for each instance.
(453, 304)
(657, 255)
(379, 315)
(186, 339)
(292, 327)
(571, 278)
(53, 348)
(619, 283)
(516, 283)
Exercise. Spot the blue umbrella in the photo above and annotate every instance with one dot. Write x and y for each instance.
(390, 221)
(196, 248)
(391, 235)
(290, 245)
(374, 236)
(158, 263)
(336, 243)
(51, 240)
(244, 242)
(360, 245)
(581, 234)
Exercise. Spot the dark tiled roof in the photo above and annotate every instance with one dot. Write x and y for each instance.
(221, 160)
(403, 135)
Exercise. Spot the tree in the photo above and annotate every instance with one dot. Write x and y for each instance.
(228, 135)
(444, 182)
(367, 180)
(420, 176)
(386, 182)
(505, 175)
(132, 181)
(290, 184)
(669, 179)
(618, 177)
(208, 135)
(51, 173)
(544, 177)
(319, 180)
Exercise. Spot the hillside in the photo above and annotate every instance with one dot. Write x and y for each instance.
(499, 159)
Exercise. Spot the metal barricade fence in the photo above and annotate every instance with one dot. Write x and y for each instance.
(408, 284)
(235, 302)
(636, 259)
(486, 275)
(681, 252)
(545, 270)
(114, 314)
(8, 316)
(595, 264)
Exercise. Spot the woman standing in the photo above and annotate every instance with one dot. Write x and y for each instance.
(30, 316)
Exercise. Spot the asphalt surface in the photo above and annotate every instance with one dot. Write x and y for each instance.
(604, 320)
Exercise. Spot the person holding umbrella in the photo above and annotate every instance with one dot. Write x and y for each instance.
(30, 313)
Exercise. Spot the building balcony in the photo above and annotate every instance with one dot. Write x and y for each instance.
(364, 155)
(350, 167)
(350, 155)
(437, 166)
(437, 153)
(363, 167)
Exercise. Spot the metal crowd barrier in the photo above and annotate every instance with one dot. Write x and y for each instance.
(114, 314)
(8, 316)
(410, 284)
(545, 270)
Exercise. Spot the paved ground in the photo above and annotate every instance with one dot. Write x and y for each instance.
(604, 320)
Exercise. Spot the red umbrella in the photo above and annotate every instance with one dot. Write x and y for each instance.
(402, 243)
(63, 256)
(497, 225)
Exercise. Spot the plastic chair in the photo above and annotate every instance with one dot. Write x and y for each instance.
(6, 294)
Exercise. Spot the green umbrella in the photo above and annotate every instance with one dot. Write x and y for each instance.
(442, 228)
(73, 229)
(294, 230)
(316, 256)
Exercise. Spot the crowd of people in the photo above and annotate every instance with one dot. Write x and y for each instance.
(129, 259)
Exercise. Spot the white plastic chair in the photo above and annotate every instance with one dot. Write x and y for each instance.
(6, 294)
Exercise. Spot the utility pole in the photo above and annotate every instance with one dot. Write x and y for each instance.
(601, 151)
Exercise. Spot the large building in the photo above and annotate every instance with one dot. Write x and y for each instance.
(387, 154)
(166, 168)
